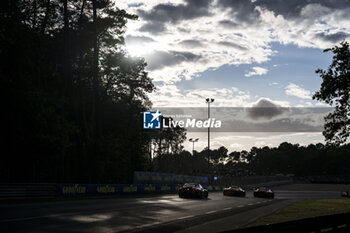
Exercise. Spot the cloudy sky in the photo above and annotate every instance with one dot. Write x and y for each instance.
(239, 52)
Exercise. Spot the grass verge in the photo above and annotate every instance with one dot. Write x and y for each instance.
(306, 209)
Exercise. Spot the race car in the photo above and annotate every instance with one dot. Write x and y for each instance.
(345, 194)
(264, 192)
(193, 190)
(234, 191)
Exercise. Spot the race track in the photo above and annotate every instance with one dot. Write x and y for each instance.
(167, 213)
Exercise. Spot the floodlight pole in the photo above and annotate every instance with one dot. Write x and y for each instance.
(208, 101)
(193, 141)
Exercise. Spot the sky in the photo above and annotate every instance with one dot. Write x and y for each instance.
(240, 52)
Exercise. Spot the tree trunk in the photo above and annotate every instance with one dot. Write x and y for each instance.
(35, 9)
(66, 77)
(46, 17)
(95, 86)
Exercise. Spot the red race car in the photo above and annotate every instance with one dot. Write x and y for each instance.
(193, 190)
(234, 191)
(264, 192)
(345, 194)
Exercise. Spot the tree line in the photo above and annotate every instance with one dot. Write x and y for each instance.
(72, 97)
(285, 159)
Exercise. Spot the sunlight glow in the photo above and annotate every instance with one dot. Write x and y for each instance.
(139, 50)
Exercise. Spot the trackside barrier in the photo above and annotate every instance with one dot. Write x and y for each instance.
(13, 191)
(330, 223)
(26, 190)
(69, 190)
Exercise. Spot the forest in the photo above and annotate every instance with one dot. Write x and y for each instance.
(285, 159)
(73, 97)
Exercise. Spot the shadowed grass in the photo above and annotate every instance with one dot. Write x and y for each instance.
(306, 209)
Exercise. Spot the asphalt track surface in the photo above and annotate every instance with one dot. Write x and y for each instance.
(167, 213)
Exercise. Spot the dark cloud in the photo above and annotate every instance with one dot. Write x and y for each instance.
(185, 30)
(138, 39)
(334, 37)
(191, 43)
(153, 27)
(233, 45)
(174, 13)
(169, 13)
(228, 23)
(265, 109)
(293, 8)
(243, 11)
(160, 59)
(285, 8)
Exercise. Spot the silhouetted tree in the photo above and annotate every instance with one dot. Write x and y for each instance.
(335, 90)
(235, 156)
(73, 97)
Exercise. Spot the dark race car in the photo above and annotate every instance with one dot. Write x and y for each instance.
(234, 191)
(264, 192)
(193, 190)
(345, 194)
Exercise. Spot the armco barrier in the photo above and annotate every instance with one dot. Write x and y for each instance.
(69, 190)
(11, 191)
(329, 224)
(26, 190)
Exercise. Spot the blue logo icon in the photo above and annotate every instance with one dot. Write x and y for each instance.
(151, 120)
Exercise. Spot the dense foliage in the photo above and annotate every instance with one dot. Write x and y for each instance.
(287, 158)
(72, 98)
(335, 90)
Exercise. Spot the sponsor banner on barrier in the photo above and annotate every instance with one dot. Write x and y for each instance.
(71, 190)
(149, 188)
(75, 189)
(130, 189)
(87, 189)
(106, 189)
